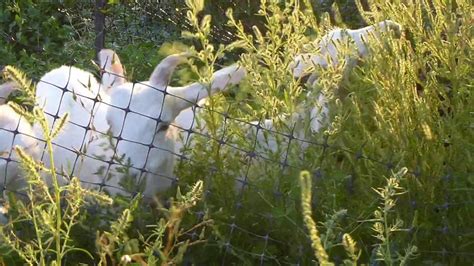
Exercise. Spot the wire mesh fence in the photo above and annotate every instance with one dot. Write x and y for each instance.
(258, 163)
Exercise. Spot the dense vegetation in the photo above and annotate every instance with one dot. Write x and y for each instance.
(389, 180)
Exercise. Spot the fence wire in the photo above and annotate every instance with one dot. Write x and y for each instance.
(251, 158)
(248, 159)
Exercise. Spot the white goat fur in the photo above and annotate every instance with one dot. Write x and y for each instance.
(328, 50)
(14, 130)
(137, 113)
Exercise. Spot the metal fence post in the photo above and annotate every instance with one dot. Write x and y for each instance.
(99, 25)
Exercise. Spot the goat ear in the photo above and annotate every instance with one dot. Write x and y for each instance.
(113, 73)
(187, 96)
(6, 89)
(163, 71)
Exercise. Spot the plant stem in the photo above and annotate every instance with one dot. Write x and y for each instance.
(57, 193)
(388, 255)
(35, 224)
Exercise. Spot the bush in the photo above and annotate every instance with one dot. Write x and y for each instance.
(404, 106)
(38, 35)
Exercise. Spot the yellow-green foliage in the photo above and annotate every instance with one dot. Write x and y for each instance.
(14, 74)
(384, 228)
(166, 244)
(306, 187)
(407, 104)
(27, 87)
(351, 249)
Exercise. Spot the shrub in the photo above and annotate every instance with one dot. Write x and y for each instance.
(38, 35)
(406, 105)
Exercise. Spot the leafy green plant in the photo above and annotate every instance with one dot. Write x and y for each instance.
(384, 228)
(168, 240)
(320, 245)
(40, 35)
(383, 225)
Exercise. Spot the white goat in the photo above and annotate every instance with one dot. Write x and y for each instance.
(329, 54)
(317, 110)
(153, 111)
(116, 122)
